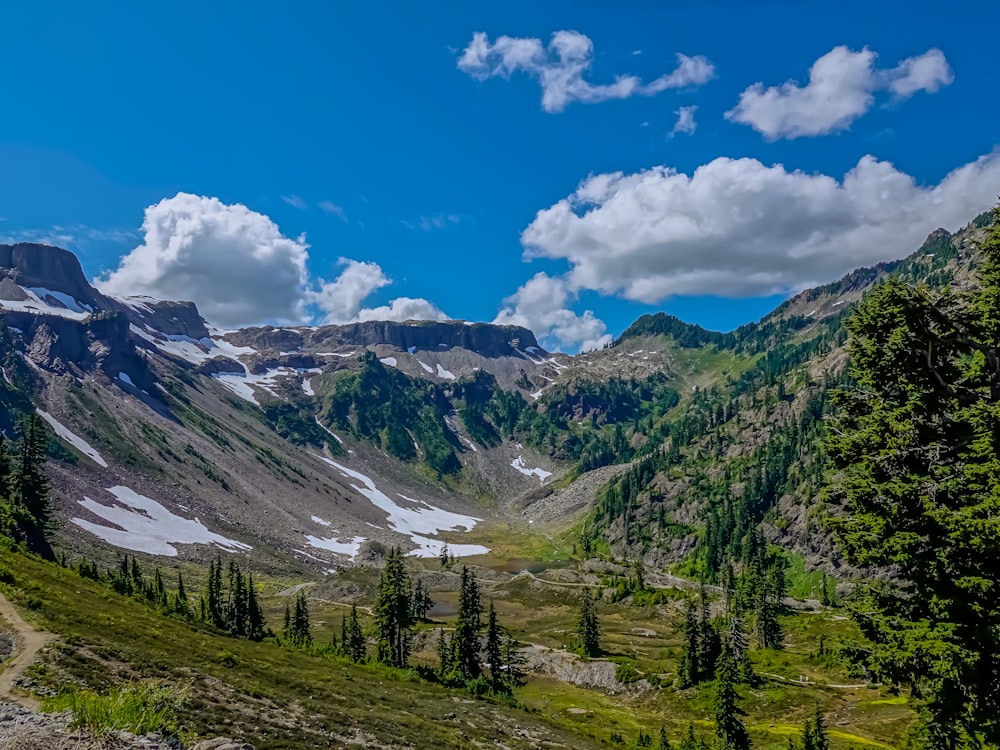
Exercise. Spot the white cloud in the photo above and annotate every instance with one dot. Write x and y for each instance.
(332, 209)
(561, 65)
(928, 72)
(236, 265)
(685, 121)
(233, 262)
(841, 88)
(403, 308)
(540, 305)
(342, 298)
(738, 228)
(295, 202)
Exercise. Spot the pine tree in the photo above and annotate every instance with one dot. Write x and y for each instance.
(514, 661)
(664, 743)
(465, 641)
(301, 634)
(814, 733)
(213, 594)
(354, 640)
(688, 673)
(444, 653)
(739, 646)
(256, 626)
(589, 627)
(915, 443)
(728, 726)
(494, 649)
(392, 612)
(709, 643)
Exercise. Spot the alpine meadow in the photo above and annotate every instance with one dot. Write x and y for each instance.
(582, 375)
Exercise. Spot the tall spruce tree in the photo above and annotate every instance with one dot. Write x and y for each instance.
(465, 641)
(353, 640)
(393, 612)
(917, 441)
(444, 654)
(688, 673)
(588, 626)
(494, 649)
(729, 729)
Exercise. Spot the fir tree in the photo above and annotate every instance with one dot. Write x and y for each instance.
(588, 626)
(392, 612)
(915, 443)
(256, 626)
(444, 653)
(688, 673)
(494, 649)
(664, 743)
(514, 661)
(814, 733)
(354, 640)
(728, 726)
(465, 641)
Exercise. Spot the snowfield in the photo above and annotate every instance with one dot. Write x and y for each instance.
(348, 549)
(521, 465)
(36, 304)
(143, 525)
(421, 518)
(443, 373)
(73, 439)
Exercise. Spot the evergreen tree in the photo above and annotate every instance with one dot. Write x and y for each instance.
(514, 661)
(664, 743)
(354, 640)
(740, 648)
(494, 649)
(256, 626)
(688, 673)
(916, 442)
(465, 641)
(728, 726)
(814, 733)
(709, 643)
(213, 595)
(444, 653)
(588, 626)
(392, 612)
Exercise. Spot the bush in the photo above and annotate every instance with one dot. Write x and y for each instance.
(626, 673)
(137, 707)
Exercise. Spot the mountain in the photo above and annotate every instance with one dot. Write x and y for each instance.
(309, 444)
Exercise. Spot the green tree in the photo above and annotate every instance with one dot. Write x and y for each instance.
(353, 640)
(688, 673)
(814, 733)
(393, 612)
(494, 650)
(728, 726)
(588, 626)
(444, 654)
(917, 441)
(465, 641)
(664, 743)
(256, 626)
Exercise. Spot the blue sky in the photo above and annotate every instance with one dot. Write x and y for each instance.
(381, 134)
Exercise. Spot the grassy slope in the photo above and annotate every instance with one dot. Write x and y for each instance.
(273, 697)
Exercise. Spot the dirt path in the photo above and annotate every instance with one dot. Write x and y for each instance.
(30, 642)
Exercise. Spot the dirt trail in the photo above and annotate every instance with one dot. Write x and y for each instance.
(30, 642)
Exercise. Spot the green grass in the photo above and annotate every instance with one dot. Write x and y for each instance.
(137, 707)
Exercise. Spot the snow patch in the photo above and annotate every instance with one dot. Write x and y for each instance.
(536, 395)
(73, 439)
(320, 521)
(427, 367)
(70, 303)
(350, 549)
(123, 376)
(413, 522)
(520, 464)
(443, 373)
(38, 306)
(307, 386)
(146, 526)
(411, 349)
(391, 361)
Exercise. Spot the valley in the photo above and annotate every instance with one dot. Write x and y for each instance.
(673, 484)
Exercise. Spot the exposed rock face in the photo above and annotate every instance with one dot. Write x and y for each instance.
(167, 317)
(32, 265)
(482, 338)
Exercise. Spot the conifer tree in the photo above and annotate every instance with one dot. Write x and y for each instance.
(465, 641)
(514, 661)
(688, 673)
(588, 626)
(728, 726)
(915, 441)
(256, 626)
(392, 612)
(301, 633)
(814, 734)
(494, 649)
(444, 654)
(213, 594)
(354, 640)
(664, 743)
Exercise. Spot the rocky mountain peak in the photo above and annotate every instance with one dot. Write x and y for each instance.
(52, 268)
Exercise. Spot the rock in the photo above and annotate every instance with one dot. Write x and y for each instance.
(222, 743)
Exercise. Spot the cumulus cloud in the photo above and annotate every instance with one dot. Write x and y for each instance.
(685, 121)
(560, 68)
(841, 88)
(541, 305)
(233, 262)
(240, 270)
(738, 228)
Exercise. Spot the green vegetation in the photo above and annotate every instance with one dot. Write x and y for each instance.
(916, 440)
(137, 707)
